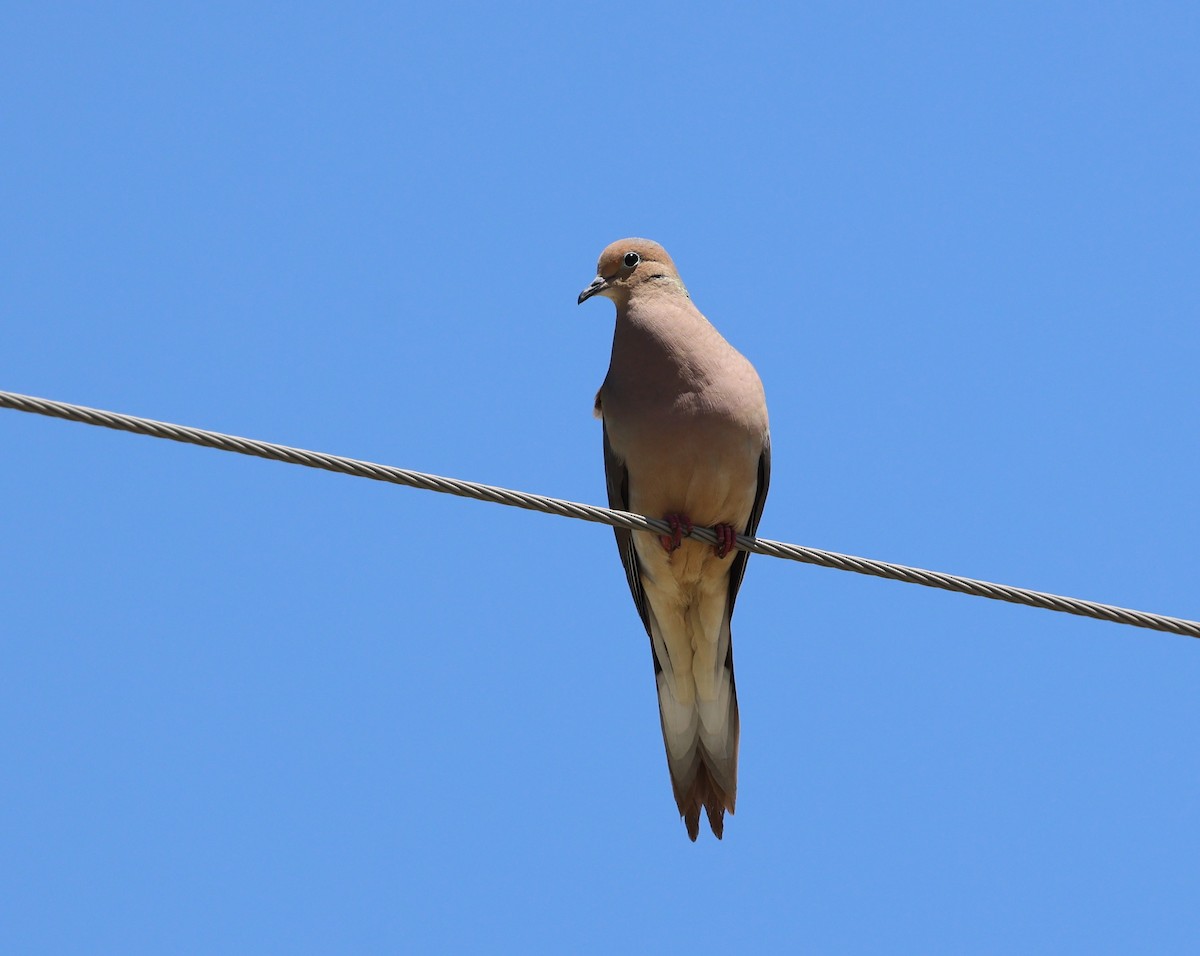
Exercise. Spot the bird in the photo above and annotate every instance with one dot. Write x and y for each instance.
(686, 437)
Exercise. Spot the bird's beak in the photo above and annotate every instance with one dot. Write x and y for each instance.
(599, 284)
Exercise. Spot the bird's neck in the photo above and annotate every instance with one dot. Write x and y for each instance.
(669, 341)
(664, 320)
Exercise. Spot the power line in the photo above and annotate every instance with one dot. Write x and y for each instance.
(571, 509)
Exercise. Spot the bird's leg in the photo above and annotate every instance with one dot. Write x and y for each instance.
(726, 538)
(680, 525)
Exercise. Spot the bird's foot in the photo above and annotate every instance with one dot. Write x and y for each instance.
(726, 540)
(681, 525)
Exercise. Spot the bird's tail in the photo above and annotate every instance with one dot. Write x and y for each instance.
(701, 737)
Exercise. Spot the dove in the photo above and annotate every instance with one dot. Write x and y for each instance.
(686, 439)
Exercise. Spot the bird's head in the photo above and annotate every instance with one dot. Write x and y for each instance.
(629, 265)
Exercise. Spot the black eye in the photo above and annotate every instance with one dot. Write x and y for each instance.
(631, 259)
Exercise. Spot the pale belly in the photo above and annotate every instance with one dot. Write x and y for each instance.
(687, 589)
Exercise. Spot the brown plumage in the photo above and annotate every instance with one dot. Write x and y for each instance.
(685, 437)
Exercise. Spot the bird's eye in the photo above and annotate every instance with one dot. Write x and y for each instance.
(631, 259)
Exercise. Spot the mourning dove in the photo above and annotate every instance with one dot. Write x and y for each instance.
(685, 438)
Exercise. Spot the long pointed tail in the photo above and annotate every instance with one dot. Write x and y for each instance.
(701, 738)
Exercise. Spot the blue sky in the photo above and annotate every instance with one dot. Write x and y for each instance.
(251, 707)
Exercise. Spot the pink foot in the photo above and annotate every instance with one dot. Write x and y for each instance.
(726, 539)
(680, 525)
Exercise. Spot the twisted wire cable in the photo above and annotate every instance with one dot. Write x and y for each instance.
(571, 509)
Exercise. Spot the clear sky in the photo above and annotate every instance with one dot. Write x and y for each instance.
(249, 707)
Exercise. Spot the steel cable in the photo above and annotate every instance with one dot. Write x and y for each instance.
(571, 509)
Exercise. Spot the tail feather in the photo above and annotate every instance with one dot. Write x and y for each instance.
(699, 717)
(702, 759)
(704, 793)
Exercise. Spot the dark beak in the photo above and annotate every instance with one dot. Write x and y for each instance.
(598, 285)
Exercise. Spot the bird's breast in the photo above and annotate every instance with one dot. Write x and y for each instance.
(701, 466)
